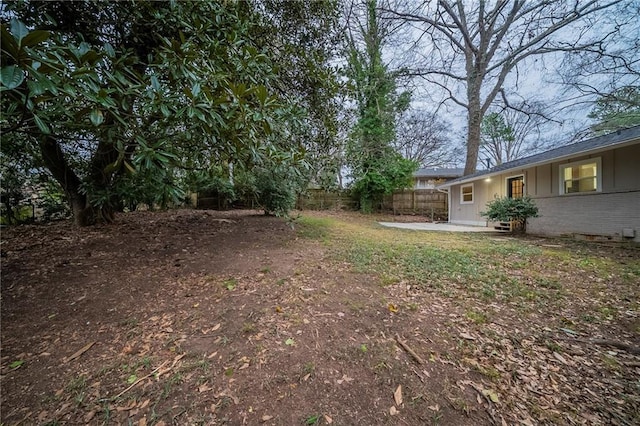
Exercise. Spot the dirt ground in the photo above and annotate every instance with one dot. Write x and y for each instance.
(201, 317)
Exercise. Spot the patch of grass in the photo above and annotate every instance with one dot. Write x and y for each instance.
(175, 379)
(77, 386)
(476, 317)
(248, 327)
(308, 368)
(607, 312)
(265, 270)
(230, 284)
(388, 280)
(129, 322)
(201, 364)
(314, 228)
(356, 306)
(611, 362)
(313, 419)
(553, 346)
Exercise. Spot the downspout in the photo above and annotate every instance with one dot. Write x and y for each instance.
(446, 191)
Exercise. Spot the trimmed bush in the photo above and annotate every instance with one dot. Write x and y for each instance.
(516, 210)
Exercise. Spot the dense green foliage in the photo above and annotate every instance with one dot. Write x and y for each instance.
(511, 209)
(496, 138)
(377, 169)
(120, 101)
(617, 110)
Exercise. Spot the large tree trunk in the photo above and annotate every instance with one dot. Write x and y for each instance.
(474, 122)
(55, 161)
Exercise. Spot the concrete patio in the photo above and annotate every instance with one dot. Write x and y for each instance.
(446, 227)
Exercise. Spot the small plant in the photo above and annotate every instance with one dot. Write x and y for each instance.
(248, 327)
(312, 420)
(230, 284)
(476, 317)
(516, 210)
(309, 368)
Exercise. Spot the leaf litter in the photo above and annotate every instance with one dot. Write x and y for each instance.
(545, 354)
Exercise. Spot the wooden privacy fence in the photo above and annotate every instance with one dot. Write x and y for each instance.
(424, 202)
(318, 199)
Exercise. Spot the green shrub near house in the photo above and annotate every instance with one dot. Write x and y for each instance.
(515, 210)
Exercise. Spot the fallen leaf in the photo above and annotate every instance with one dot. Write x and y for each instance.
(467, 336)
(560, 358)
(203, 388)
(435, 408)
(266, 418)
(328, 419)
(89, 416)
(79, 352)
(397, 395)
(142, 422)
(492, 395)
(344, 378)
(392, 308)
(215, 327)
(393, 410)
(289, 342)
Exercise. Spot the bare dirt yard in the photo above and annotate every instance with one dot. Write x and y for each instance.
(203, 318)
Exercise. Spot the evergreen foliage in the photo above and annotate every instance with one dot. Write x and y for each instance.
(376, 167)
(511, 210)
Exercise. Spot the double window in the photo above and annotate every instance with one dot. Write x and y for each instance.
(581, 176)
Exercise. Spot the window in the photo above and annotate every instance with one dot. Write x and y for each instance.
(582, 176)
(466, 194)
(515, 187)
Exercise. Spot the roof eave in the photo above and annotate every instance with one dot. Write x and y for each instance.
(489, 174)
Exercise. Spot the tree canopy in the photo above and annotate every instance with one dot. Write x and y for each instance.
(102, 92)
(617, 110)
(469, 49)
(377, 168)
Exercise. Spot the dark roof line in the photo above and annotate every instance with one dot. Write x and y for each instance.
(609, 140)
(439, 172)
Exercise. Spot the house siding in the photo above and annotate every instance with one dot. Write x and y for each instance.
(606, 213)
(601, 214)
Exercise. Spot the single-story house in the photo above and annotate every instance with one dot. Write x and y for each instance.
(430, 178)
(589, 189)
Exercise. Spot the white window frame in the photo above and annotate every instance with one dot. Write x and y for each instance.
(597, 160)
(462, 193)
(506, 184)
